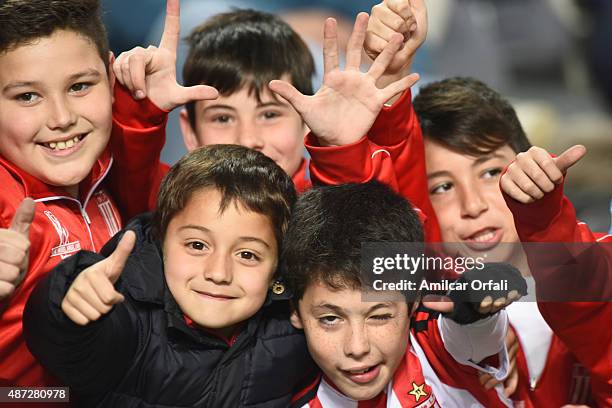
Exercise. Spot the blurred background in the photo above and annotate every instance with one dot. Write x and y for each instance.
(551, 58)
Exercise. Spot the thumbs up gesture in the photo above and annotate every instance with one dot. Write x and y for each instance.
(535, 173)
(14, 248)
(151, 72)
(92, 294)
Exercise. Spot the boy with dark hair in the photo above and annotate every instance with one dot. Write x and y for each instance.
(64, 186)
(183, 310)
(471, 133)
(377, 351)
(239, 53)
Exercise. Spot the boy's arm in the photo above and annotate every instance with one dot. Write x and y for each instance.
(149, 75)
(89, 356)
(543, 214)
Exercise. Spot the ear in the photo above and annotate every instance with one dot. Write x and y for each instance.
(296, 320)
(189, 135)
(111, 74)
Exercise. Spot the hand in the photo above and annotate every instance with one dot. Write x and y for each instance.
(345, 107)
(467, 305)
(14, 248)
(151, 72)
(92, 294)
(511, 381)
(535, 173)
(406, 17)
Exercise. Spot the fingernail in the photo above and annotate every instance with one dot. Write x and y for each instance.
(139, 94)
(413, 27)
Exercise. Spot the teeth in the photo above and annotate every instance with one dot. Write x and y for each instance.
(360, 371)
(57, 146)
(484, 237)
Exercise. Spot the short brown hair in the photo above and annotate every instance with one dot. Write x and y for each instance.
(466, 116)
(241, 175)
(25, 21)
(246, 47)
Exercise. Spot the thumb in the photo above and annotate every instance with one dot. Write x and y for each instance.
(196, 93)
(289, 92)
(442, 304)
(570, 157)
(120, 255)
(23, 217)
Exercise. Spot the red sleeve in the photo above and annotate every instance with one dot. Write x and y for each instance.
(578, 324)
(393, 153)
(137, 139)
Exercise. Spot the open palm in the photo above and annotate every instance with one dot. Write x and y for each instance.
(347, 104)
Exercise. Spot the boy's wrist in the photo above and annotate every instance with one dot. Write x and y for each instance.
(138, 114)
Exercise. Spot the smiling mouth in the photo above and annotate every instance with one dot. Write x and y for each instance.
(363, 375)
(64, 144)
(214, 296)
(484, 239)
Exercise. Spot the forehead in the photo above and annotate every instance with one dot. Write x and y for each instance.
(441, 158)
(62, 54)
(351, 301)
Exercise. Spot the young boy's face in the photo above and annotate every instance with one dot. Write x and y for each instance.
(464, 191)
(55, 107)
(271, 126)
(357, 345)
(218, 266)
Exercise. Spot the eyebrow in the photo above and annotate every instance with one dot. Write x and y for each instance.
(480, 160)
(206, 231)
(18, 84)
(340, 311)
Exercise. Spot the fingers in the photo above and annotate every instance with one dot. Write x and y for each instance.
(137, 76)
(355, 43)
(385, 22)
(290, 93)
(172, 26)
(437, 303)
(511, 382)
(23, 217)
(509, 187)
(488, 381)
(570, 157)
(117, 260)
(488, 305)
(485, 305)
(381, 62)
(402, 8)
(399, 86)
(330, 45)
(130, 70)
(195, 93)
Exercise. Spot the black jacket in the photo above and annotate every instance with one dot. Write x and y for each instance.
(143, 354)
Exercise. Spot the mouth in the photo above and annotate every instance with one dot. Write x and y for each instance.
(484, 239)
(214, 296)
(65, 146)
(362, 375)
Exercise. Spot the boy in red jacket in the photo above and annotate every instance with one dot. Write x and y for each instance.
(64, 187)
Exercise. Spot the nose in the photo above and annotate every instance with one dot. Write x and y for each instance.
(357, 345)
(473, 203)
(218, 269)
(250, 136)
(61, 115)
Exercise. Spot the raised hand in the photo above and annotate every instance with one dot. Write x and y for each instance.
(535, 173)
(406, 17)
(92, 294)
(151, 72)
(14, 248)
(345, 107)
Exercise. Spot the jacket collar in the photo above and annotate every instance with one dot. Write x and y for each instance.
(37, 189)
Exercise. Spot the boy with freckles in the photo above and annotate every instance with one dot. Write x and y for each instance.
(380, 348)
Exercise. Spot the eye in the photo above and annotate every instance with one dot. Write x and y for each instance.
(248, 255)
(80, 87)
(329, 320)
(382, 317)
(196, 246)
(28, 98)
(222, 118)
(270, 115)
(441, 188)
(492, 173)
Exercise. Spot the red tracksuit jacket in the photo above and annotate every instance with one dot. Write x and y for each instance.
(117, 188)
(582, 326)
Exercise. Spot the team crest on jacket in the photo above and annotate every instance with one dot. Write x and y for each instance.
(65, 248)
(108, 213)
